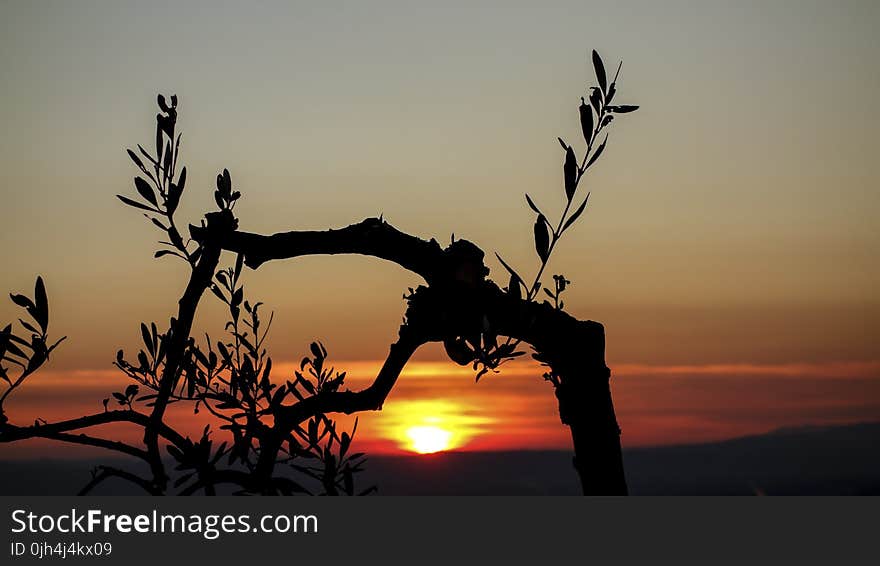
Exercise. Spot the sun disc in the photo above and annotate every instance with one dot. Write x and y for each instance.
(428, 439)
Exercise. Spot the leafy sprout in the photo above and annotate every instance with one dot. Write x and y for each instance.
(596, 112)
(27, 354)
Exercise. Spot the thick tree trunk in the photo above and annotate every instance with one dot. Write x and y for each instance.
(595, 434)
(585, 405)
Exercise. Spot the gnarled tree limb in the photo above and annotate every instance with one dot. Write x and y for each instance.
(372, 237)
(460, 301)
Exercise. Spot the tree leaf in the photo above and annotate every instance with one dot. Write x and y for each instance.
(598, 152)
(55, 345)
(600, 72)
(510, 270)
(344, 444)
(316, 351)
(22, 301)
(148, 339)
(237, 297)
(145, 190)
(458, 351)
(542, 238)
(27, 326)
(623, 109)
(175, 191)
(160, 142)
(239, 263)
(146, 154)
(224, 183)
(219, 295)
(596, 100)
(166, 161)
(532, 204)
(137, 160)
(15, 350)
(586, 120)
(181, 181)
(41, 301)
(570, 170)
(480, 374)
(135, 204)
(576, 214)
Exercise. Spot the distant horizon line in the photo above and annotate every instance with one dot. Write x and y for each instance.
(68, 456)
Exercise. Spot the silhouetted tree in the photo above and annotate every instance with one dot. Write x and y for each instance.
(271, 424)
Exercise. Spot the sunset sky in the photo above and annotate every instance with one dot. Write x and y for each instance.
(730, 248)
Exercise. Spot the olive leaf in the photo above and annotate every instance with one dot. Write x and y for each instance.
(600, 71)
(135, 204)
(598, 152)
(570, 170)
(532, 204)
(586, 120)
(623, 109)
(576, 214)
(510, 270)
(144, 189)
(542, 238)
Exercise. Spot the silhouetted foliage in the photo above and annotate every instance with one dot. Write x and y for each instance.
(594, 118)
(266, 422)
(28, 354)
(231, 379)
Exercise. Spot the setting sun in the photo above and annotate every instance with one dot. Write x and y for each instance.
(425, 426)
(428, 439)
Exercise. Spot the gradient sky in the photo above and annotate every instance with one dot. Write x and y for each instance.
(730, 247)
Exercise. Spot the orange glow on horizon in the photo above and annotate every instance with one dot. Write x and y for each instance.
(436, 406)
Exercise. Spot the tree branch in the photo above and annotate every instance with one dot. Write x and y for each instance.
(457, 301)
(218, 224)
(12, 433)
(371, 237)
(86, 440)
(369, 399)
